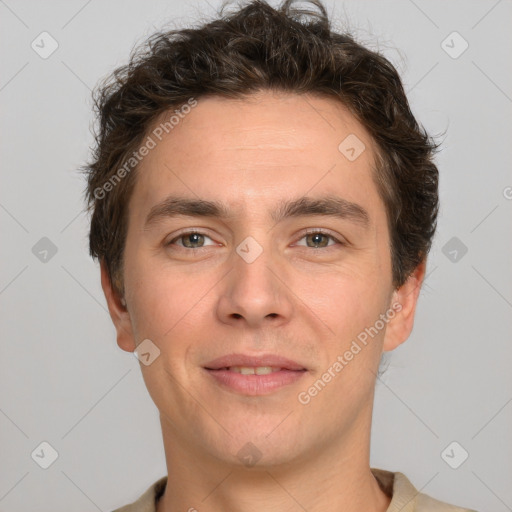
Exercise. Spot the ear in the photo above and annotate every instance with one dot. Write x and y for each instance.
(404, 302)
(118, 312)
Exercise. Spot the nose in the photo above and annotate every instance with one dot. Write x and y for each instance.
(255, 293)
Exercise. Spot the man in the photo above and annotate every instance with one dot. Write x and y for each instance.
(263, 203)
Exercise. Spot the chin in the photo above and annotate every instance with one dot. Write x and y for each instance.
(262, 445)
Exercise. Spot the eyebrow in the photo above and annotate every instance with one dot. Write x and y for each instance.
(330, 206)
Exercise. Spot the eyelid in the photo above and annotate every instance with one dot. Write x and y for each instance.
(309, 231)
(188, 231)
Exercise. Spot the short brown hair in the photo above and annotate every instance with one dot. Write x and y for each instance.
(259, 48)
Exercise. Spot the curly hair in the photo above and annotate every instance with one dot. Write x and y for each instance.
(255, 48)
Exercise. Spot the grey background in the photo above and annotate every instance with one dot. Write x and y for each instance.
(63, 379)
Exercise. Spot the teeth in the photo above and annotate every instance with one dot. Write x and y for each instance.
(248, 370)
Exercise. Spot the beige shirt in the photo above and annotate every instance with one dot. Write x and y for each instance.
(404, 496)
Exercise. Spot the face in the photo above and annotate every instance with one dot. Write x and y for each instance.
(256, 256)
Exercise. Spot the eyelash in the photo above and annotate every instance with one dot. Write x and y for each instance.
(310, 231)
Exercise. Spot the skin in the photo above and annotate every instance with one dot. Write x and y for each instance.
(297, 300)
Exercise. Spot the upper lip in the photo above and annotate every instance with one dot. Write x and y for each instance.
(253, 362)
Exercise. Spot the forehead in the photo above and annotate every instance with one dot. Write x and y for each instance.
(256, 151)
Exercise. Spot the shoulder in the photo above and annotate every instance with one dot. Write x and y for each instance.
(146, 502)
(406, 498)
(427, 504)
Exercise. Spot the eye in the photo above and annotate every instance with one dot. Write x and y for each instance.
(315, 239)
(190, 240)
(319, 239)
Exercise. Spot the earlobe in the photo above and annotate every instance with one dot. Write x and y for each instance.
(404, 301)
(118, 311)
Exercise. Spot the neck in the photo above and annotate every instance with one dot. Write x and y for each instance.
(334, 478)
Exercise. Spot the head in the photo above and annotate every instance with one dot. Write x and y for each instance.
(292, 153)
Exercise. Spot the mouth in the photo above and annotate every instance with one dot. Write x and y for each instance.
(254, 375)
(249, 370)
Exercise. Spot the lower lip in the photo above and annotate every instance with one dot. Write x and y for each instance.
(256, 384)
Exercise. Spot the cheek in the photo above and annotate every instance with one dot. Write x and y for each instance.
(157, 299)
(346, 299)
(162, 305)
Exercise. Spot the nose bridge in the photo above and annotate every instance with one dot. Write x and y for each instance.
(254, 273)
(254, 290)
